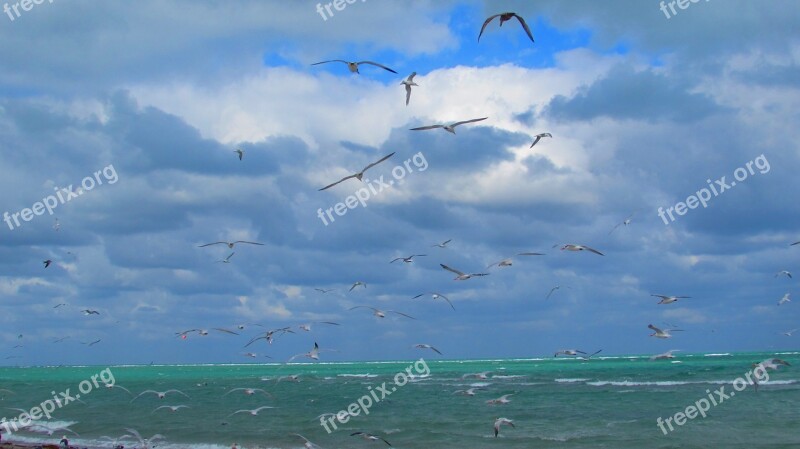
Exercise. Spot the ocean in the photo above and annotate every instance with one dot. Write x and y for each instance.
(605, 402)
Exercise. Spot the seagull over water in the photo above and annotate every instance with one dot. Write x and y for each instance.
(307, 443)
(253, 412)
(461, 276)
(408, 82)
(408, 259)
(360, 174)
(660, 333)
(436, 296)
(664, 355)
(231, 244)
(173, 408)
(570, 352)
(449, 128)
(772, 364)
(468, 392)
(501, 400)
(160, 394)
(539, 137)
(369, 437)
(382, 313)
(353, 66)
(248, 391)
(669, 299)
(425, 346)
(501, 422)
(571, 247)
(505, 17)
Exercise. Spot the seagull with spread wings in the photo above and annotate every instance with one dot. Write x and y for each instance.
(408, 82)
(461, 276)
(507, 262)
(436, 296)
(231, 244)
(449, 128)
(669, 299)
(353, 66)
(505, 17)
(538, 137)
(408, 259)
(382, 313)
(571, 247)
(360, 174)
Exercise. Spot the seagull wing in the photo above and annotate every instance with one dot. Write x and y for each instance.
(593, 250)
(332, 60)
(448, 301)
(525, 27)
(225, 330)
(468, 121)
(209, 244)
(401, 313)
(538, 138)
(452, 270)
(337, 182)
(249, 243)
(422, 128)
(376, 65)
(484, 25)
(377, 162)
(408, 93)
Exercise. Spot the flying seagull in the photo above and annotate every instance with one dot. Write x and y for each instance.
(323, 291)
(248, 391)
(509, 262)
(360, 174)
(47, 263)
(504, 17)
(442, 245)
(669, 299)
(784, 300)
(784, 272)
(91, 343)
(624, 222)
(501, 400)
(587, 357)
(539, 137)
(240, 152)
(571, 247)
(307, 326)
(160, 394)
(660, 333)
(425, 346)
(88, 312)
(449, 128)
(499, 422)
(382, 313)
(790, 332)
(772, 364)
(460, 275)
(230, 244)
(435, 296)
(570, 352)
(408, 82)
(312, 354)
(173, 408)
(353, 66)
(468, 392)
(408, 259)
(227, 259)
(369, 437)
(253, 412)
(358, 283)
(268, 335)
(664, 355)
(307, 443)
(557, 287)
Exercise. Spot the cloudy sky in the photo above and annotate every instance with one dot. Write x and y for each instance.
(150, 99)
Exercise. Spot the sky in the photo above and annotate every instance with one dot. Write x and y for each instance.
(143, 104)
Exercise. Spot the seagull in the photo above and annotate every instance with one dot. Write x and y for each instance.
(204, 332)
(369, 437)
(312, 354)
(468, 392)
(499, 422)
(173, 408)
(253, 412)
(460, 275)
(323, 291)
(571, 247)
(784, 272)
(142, 441)
(240, 152)
(587, 357)
(509, 262)
(408, 259)
(160, 394)
(449, 128)
(112, 386)
(442, 245)
(307, 327)
(47, 263)
(92, 343)
(501, 400)
(88, 312)
(784, 300)
(382, 313)
(356, 284)
(424, 346)
(504, 17)
(790, 332)
(571, 352)
(360, 174)
(435, 296)
(227, 259)
(353, 66)
(669, 299)
(230, 244)
(248, 391)
(557, 287)
(659, 333)
(408, 82)
(268, 335)
(539, 137)
(308, 444)
(664, 355)
(59, 305)
(624, 222)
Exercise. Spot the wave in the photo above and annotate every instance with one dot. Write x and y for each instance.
(357, 375)
(571, 380)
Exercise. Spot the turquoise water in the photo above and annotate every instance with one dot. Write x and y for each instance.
(608, 402)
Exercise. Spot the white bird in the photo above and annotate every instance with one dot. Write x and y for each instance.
(790, 332)
(784, 300)
(449, 128)
(570, 352)
(357, 284)
(231, 244)
(539, 137)
(436, 296)
(408, 259)
(665, 355)
(382, 313)
(442, 245)
(369, 437)
(112, 386)
(468, 392)
(253, 412)
(353, 66)
(504, 17)
(507, 262)
(499, 422)
(160, 394)
(312, 354)
(145, 443)
(669, 299)
(360, 174)
(660, 333)
(204, 332)
(501, 400)
(408, 82)
(426, 346)
(307, 443)
(173, 408)
(248, 391)
(270, 335)
(624, 222)
(240, 152)
(227, 259)
(772, 364)
(461, 276)
(784, 272)
(571, 247)
(307, 327)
